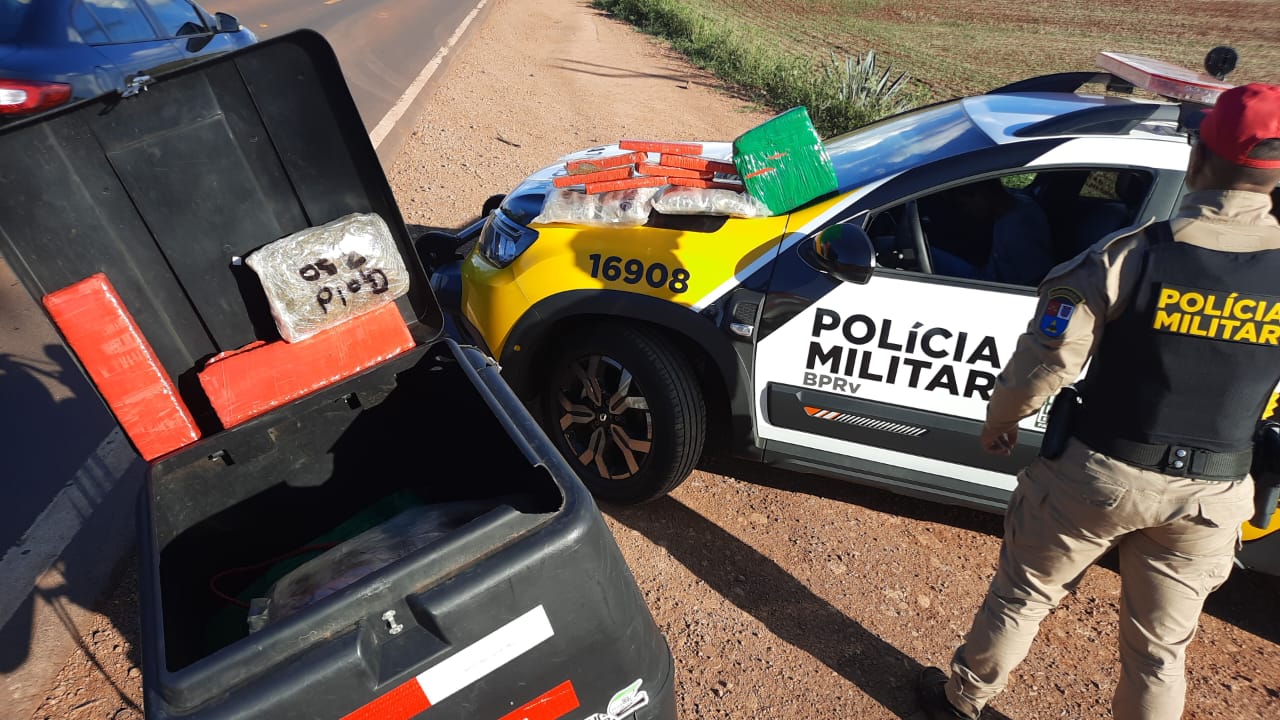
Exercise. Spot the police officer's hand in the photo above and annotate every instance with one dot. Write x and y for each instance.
(999, 443)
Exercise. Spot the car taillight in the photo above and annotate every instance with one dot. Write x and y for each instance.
(20, 97)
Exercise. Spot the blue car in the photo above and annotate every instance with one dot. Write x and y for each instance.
(53, 52)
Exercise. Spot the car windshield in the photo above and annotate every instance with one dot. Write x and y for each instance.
(904, 141)
(12, 13)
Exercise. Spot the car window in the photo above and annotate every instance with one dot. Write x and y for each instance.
(1101, 185)
(1011, 229)
(902, 142)
(122, 20)
(86, 26)
(12, 14)
(1086, 205)
(177, 17)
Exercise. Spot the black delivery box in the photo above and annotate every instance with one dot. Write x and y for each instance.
(515, 603)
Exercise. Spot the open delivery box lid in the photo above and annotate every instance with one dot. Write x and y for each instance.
(470, 591)
(166, 191)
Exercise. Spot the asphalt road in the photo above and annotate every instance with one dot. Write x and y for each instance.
(63, 454)
(382, 45)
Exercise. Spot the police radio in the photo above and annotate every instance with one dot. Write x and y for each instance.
(1062, 419)
(1265, 472)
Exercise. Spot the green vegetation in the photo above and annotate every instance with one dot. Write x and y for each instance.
(840, 94)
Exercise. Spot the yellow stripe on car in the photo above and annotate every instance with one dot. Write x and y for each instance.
(1252, 533)
(679, 266)
(491, 300)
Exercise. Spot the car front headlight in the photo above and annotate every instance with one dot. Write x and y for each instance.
(502, 240)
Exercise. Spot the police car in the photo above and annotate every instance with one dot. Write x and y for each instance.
(856, 354)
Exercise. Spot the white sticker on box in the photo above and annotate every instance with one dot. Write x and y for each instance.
(486, 655)
(624, 702)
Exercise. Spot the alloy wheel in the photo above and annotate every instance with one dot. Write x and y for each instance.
(605, 417)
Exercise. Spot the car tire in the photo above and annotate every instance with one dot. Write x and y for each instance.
(624, 407)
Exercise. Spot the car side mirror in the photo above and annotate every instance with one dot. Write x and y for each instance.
(190, 29)
(227, 23)
(842, 251)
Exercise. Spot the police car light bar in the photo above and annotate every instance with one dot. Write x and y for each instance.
(1162, 78)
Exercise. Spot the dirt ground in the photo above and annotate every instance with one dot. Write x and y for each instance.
(783, 596)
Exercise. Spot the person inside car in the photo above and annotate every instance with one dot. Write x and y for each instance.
(1021, 248)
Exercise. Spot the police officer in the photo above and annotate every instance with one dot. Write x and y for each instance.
(1182, 322)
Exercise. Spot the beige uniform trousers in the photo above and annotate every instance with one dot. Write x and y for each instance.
(1177, 538)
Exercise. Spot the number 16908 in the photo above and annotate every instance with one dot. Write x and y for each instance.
(633, 272)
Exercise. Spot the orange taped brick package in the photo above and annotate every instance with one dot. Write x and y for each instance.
(635, 182)
(708, 184)
(668, 171)
(620, 173)
(590, 165)
(123, 366)
(674, 148)
(698, 163)
(242, 384)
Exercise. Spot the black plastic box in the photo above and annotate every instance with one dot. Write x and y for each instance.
(529, 599)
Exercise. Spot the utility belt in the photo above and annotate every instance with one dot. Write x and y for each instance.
(1262, 461)
(1177, 460)
(1172, 459)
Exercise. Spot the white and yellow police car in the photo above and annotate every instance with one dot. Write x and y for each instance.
(635, 345)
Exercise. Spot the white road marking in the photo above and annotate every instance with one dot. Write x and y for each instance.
(398, 110)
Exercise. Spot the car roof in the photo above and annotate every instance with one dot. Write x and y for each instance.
(983, 122)
(1010, 117)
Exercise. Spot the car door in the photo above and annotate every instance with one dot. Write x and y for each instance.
(125, 38)
(889, 380)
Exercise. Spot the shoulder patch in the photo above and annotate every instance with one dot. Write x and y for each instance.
(1059, 308)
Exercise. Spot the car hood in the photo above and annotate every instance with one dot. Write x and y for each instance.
(525, 202)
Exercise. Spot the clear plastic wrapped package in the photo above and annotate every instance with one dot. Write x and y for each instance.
(322, 276)
(676, 200)
(620, 208)
(371, 550)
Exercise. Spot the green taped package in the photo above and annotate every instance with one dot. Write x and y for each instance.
(783, 162)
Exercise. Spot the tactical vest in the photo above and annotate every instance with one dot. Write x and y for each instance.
(1193, 360)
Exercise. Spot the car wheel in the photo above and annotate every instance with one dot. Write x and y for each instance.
(624, 407)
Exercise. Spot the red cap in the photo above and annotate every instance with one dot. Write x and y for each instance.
(1241, 118)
